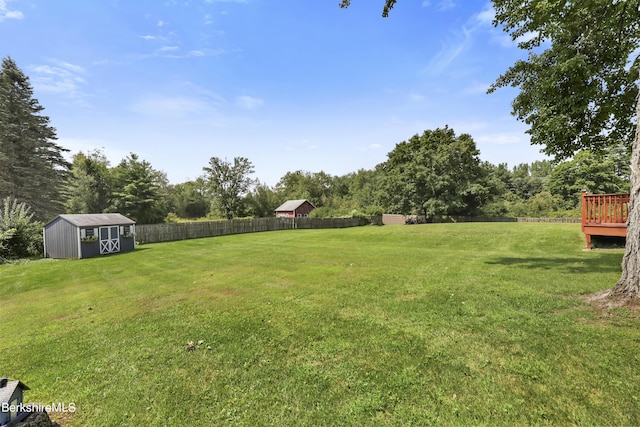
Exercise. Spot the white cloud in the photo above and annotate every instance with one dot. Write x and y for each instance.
(176, 107)
(59, 77)
(416, 97)
(461, 40)
(440, 5)
(249, 102)
(450, 51)
(446, 4)
(486, 16)
(5, 13)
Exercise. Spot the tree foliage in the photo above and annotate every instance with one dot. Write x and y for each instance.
(188, 199)
(228, 183)
(262, 201)
(89, 187)
(598, 173)
(578, 86)
(317, 187)
(388, 5)
(138, 193)
(435, 174)
(32, 167)
(578, 89)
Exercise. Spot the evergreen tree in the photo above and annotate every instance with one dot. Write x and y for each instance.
(89, 189)
(32, 166)
(138, 192)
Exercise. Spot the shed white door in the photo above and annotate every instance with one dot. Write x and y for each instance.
(109, 239)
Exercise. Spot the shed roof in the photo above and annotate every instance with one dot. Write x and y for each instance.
(292, 205)
(89, 220)
(7, 391)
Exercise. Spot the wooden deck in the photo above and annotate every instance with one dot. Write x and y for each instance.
(604, 215)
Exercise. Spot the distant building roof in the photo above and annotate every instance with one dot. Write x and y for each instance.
(7, 391)
(96, 220)
(292, 205)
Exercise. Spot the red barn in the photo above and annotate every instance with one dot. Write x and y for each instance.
(294, 209)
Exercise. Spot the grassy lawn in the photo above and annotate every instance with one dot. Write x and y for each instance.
(452, 324)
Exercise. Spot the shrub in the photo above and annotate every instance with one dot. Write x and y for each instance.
(20, 236)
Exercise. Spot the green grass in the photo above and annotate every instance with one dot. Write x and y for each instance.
(450, 324)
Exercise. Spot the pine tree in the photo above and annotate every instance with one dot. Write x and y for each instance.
(90, 186)
(32, 166)
(139, 190)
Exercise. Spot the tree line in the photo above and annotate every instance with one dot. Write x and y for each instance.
(435, 174)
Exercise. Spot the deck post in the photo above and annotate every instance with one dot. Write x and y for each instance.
(584, 217)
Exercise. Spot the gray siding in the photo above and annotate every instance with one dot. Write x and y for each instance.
(127, 244)
(61, 239)
(90, 249)
(62, 236)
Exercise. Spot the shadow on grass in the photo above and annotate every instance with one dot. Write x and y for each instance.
(601, 263)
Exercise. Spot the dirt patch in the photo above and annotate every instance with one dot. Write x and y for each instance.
(231, 292)
(606, 300)
(61, 419)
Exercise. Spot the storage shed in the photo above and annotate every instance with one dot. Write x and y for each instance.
(11, 401)
(294, 209)
(88, 235)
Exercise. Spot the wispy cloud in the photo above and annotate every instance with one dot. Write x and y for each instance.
(461, 40)
(6, 13)
(485, 19)
(174, 107)
(450, 50)
(191, 102)
(440, 4)
(249, 102)
(59, 77)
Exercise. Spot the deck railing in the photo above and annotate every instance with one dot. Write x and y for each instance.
(604, 208)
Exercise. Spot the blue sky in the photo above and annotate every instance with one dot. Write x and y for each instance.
(289, 84)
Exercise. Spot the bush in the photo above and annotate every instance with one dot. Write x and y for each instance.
(20, 236)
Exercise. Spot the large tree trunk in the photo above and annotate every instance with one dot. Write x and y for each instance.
(628, 287)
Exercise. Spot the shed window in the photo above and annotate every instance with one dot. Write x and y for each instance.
(89, 232)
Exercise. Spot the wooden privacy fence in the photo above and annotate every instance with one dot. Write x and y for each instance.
(154, 233)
